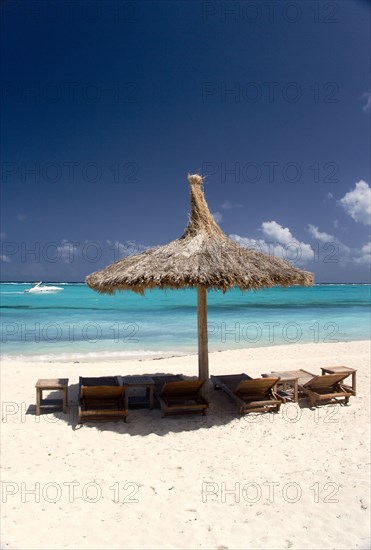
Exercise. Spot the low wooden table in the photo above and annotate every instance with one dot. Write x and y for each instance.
(140, 382)
(302, 375)
(340, 369)
(51, 384)
(287, 378)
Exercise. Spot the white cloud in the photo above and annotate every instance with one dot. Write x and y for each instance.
(128, 248)
(283, 235)
(218, 216)
(260, 245)
(274, 230)
(367, 106)
(357, 203)
(67, 250)
(339, 227)
(227, 205)
(364, 255)
(4, 258)
(279, 242)
(332, 250)
(320, 235)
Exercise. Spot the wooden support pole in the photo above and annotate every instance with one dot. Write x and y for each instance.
(203, 356)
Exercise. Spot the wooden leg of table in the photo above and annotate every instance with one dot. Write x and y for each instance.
(151, 397)
(65, 399)
(38, 400)
(296, 397)
(354, 383)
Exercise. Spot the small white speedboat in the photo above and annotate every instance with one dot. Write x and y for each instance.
(38, 288)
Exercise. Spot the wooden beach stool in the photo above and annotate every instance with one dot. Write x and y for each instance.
(340, 369)
(60, 384)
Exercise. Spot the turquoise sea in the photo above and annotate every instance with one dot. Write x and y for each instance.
(79, 324)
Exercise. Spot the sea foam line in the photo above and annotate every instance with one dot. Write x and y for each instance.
(93, 356)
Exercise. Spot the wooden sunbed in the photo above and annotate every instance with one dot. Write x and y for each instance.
(161, 379)
(101, 399)
(250, 394)
(326, 388)
(178, 396)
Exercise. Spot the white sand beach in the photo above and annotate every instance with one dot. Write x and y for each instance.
(297, 479)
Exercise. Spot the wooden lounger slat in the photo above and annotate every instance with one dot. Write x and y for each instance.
(250, 394)
(259, 385)
(107, 414)
(331, 395)
(180, 406)
(181, 397)
(98, 381)
(102, 399)
(184, 388)
(161, 379)
(105, 392)
(325, 380)
(326, 387)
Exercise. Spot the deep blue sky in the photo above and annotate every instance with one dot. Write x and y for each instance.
(111, 104)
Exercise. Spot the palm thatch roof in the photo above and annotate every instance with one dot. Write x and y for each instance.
(202, 257)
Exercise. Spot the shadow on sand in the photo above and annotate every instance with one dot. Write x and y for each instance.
(142, 421)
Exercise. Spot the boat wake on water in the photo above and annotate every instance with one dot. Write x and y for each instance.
(39, 288)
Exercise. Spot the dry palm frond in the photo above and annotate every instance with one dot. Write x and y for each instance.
(202, 256)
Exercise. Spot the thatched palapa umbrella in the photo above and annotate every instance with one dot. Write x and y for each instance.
(203, 258)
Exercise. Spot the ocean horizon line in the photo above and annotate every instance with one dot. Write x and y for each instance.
(83, 283)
